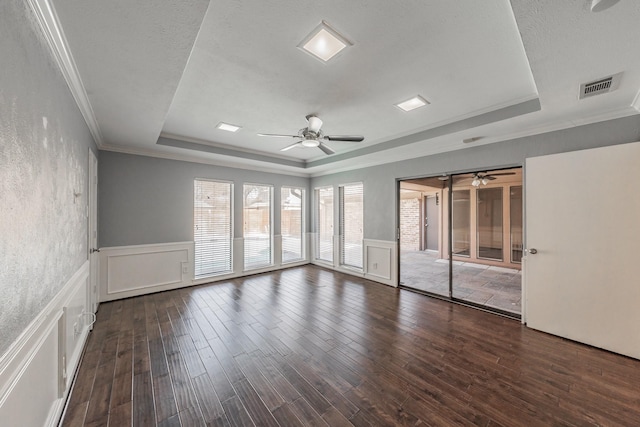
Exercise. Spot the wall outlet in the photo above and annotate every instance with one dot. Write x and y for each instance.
(185, 268)
(375, 265)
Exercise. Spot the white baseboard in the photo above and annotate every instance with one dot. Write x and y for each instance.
(36, 371)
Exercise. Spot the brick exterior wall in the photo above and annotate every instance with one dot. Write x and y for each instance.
(410, 224)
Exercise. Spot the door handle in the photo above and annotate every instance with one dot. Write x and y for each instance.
(532, 251)
(92, 250)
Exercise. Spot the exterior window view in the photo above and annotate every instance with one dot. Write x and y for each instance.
(257, 230)
(485, 230)
(213, 228)
(292, 223)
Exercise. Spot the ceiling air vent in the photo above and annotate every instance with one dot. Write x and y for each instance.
(604, 85)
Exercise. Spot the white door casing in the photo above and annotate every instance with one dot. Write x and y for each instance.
(583, 218)
(92, 210)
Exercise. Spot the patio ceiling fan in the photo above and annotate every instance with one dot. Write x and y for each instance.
(480, 177)
(484, 177)
(312, 136)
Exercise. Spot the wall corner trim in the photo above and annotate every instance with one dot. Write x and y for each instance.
(50, 25)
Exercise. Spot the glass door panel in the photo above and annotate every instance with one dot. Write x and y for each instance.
(424, 263)
(462, 236)
(484, 274)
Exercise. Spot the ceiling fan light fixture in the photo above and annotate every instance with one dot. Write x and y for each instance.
(228, 127)
(485, 181)
(324, 42)
(310, 142)
(600, 5)
(475, 182)
(412, 103)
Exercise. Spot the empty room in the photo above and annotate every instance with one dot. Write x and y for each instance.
(293, 213)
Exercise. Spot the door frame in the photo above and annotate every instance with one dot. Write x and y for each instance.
(92, 233)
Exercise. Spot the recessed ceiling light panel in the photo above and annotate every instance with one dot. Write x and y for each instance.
(227, 127)
(413, 103)
(324, 42)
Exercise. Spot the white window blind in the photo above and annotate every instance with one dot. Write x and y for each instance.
(324, 223)
(212, 233)
(292, 223)
(351, 224)
(257, 230)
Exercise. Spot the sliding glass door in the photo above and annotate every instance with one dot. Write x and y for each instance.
(477, 260)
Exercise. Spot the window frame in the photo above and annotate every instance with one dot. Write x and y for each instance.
(303, 208)
(256, 266)
(342, 224)
(231, 228)
(317, 251)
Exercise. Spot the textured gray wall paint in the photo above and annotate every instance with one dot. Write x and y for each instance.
(43, 161)
(380, 181)
(148, 200)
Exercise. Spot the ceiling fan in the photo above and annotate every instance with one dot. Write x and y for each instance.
(484, 177)
(480, 177)
(312, 136)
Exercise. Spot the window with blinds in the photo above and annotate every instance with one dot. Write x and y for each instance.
(257, 231)
(213, 228)
(292, 223)
(351, 210)
(324, 223)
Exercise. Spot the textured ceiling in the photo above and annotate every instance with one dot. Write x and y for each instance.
(161, 75)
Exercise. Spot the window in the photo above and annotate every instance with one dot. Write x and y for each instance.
(324, 223)
(212, 231)
(257, 229)
(292, 223)
(351, 225)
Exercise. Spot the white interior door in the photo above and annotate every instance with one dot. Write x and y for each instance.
(93, 233)
(583, 218)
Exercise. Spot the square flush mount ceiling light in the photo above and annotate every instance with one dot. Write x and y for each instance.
(324, 42)
(413, 103)
(227, 127)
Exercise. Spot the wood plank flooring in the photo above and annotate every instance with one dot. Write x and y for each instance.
(307, 346)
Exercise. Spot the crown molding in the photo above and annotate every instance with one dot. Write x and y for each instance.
(276, 169)
(49, 23)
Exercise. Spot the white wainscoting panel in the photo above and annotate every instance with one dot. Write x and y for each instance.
(128, 271)
(37, 371)
(380, 261)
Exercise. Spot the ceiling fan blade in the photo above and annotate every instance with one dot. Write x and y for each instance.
(502, 173)
(326, 148)
(489, 177)
(278, 135)
(289, 147)
(346, 138)
(314, 124)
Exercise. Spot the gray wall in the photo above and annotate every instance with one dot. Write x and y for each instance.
(149, 200)
(44, 149)
(380, 181)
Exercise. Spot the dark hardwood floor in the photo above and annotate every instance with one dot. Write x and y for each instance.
(307, 346)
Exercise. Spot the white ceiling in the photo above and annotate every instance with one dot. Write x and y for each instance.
(159, 76)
